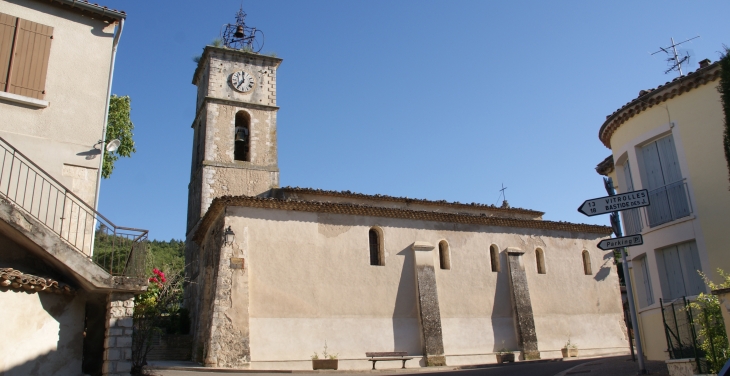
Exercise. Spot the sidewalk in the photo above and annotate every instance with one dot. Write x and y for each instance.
(608, 366)
(615, 366)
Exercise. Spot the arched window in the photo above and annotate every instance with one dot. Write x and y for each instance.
(540, 258)
(242, 137)
(494, 257)
(376, 247)
(444, 255)
(587, 263)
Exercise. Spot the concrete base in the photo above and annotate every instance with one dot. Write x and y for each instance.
(681, 367)
(435, 360)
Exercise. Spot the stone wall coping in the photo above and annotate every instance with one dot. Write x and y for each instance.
(721, 291)
(422, 246)
(683, 360)
(220, 203)
(515, 251)
(473, 205)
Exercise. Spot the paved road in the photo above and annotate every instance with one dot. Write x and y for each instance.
(520, 368)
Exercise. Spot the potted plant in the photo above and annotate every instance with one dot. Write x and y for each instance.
(505, 356)
(570, 350)
(328, 361)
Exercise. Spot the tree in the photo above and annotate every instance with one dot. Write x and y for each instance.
(724, 89)
(119, 126)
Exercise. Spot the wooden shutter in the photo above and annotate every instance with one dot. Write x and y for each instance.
(652, 166)
(669, 160)
(7, 34)
(691, 261)
(632, 218)
(30, 59)
(643, 284)
(659, 211)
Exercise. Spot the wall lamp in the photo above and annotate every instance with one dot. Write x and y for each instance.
(229, 236)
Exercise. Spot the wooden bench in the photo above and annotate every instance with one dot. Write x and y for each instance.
(394, 355)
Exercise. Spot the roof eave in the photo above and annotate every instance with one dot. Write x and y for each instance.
(656, 96)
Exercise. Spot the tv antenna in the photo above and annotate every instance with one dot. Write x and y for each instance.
(675, 59)
(241, 37)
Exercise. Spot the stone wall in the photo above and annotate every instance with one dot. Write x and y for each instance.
(118, 342)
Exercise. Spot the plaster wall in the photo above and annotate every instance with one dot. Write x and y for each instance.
(64, 133)
(697, 126)
(309, 279)
(695, 119)
(46, 332)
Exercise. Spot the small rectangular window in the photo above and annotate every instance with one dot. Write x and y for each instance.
(24, 50)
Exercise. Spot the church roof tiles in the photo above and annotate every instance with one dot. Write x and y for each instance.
(410, 200)
(220, 203)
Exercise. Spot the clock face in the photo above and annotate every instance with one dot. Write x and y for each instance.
(242, 81)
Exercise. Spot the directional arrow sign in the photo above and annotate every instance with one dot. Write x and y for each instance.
(624, 201)
(626, 241)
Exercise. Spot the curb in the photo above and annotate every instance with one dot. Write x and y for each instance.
(384, 371)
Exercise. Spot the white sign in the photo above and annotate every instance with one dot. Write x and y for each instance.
(626, 241)
(608, 204)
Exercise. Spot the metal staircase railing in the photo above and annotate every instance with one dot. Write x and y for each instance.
(119, 250)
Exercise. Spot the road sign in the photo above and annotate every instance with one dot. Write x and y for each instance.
(626, 241)
(624, 201)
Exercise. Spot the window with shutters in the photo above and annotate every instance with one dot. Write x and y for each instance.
(632, 217)
(662, 177)
(444, 255)
(377, 254)
(642, 281)
(24, 50)
(678, 268)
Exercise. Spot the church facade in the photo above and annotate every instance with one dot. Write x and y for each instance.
(274, 273)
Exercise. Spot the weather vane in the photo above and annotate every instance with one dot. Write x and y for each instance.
(241, 37)
(675, 59)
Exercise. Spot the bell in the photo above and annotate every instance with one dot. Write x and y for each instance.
(241, 133)
(239, 32)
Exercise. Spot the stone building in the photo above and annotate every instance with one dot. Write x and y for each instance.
(68, 311)
(275, 272)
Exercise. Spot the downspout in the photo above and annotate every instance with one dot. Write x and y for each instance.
(117, 36)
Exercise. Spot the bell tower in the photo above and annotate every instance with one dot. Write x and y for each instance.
(234, 143)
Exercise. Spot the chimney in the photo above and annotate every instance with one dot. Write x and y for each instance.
(704, 63)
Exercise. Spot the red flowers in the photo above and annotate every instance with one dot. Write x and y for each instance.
(159, 279)
(159, 274)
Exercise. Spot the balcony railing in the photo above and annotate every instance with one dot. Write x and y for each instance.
(668, 203)
(119, 250)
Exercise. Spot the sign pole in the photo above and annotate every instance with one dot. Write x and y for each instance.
(616, 222)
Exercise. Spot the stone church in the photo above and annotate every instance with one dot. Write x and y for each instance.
(275, 272)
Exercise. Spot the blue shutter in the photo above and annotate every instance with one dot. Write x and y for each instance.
(632, 218)
(691, 260)
(659, 211)
(643, 283)
(673, 273)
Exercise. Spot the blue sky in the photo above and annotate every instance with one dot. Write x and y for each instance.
(424, 99)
